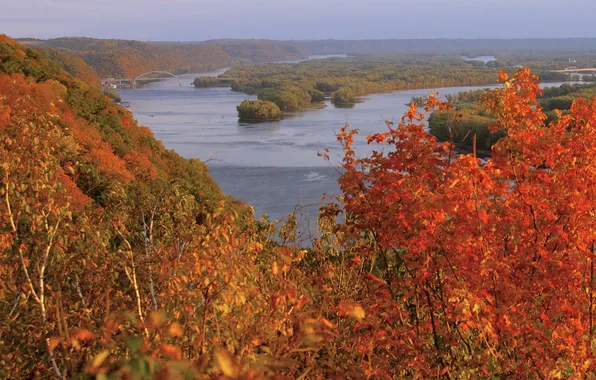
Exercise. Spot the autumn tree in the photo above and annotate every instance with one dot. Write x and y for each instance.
(475, 270)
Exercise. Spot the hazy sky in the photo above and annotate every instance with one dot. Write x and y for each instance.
(193, 20)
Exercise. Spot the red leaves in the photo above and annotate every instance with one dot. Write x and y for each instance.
(509, 238)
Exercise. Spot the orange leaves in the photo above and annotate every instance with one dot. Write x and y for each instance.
(82, 335)
(109, 164)
(498, 236)
(140, 166)
(226, 363)
(377, 137)
(503, 76)
(170, 351)
(175, 329)
(73, 193)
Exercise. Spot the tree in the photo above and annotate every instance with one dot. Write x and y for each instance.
(476, 270)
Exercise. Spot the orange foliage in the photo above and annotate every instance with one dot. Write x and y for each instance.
(140, 165)
(109, 164)
(73, 193)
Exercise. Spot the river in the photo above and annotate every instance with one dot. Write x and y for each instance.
(272, 166)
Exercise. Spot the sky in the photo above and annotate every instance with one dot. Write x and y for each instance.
(197, 20)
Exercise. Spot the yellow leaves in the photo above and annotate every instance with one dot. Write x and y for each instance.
(358, 313)
(353, 310)
(226, 363)
(100, 358)
(476, 308)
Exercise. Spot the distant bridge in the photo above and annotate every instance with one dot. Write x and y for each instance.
(143, 76)
(140, 77)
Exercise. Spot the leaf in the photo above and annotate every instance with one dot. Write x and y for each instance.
(53, 342)
(134, 343)
(358, 313)
(226, 363)
(170, 351)
(83, 334)
(176, 329)
(353, 310)
(159, 318)
(100, 358)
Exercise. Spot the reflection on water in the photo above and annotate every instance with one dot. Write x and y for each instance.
(273, 166)
(484, 58)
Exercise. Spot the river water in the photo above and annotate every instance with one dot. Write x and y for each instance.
(272, 166)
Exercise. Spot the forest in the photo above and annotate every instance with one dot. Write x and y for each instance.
(121, 259)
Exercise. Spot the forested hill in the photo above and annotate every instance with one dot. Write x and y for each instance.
(122, 58)
(260, 51)
(79, 177)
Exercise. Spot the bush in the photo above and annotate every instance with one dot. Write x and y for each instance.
(343, 96)
(113, 95)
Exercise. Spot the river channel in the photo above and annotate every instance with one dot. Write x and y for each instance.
(272, 166)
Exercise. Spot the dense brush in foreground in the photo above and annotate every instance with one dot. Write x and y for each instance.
(119, 259)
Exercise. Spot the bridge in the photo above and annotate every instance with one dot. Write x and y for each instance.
(144, 76)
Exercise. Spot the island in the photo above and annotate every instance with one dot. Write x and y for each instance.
(253, 111)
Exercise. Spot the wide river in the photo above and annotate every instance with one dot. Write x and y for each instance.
(273, 166)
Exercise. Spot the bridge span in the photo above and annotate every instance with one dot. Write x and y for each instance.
(142, 77)
(109, 82)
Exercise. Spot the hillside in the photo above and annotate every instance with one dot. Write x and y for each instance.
(80, 182)
(122, 58)
(260, 51)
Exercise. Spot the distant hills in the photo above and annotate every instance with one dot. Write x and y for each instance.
(125, 58)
